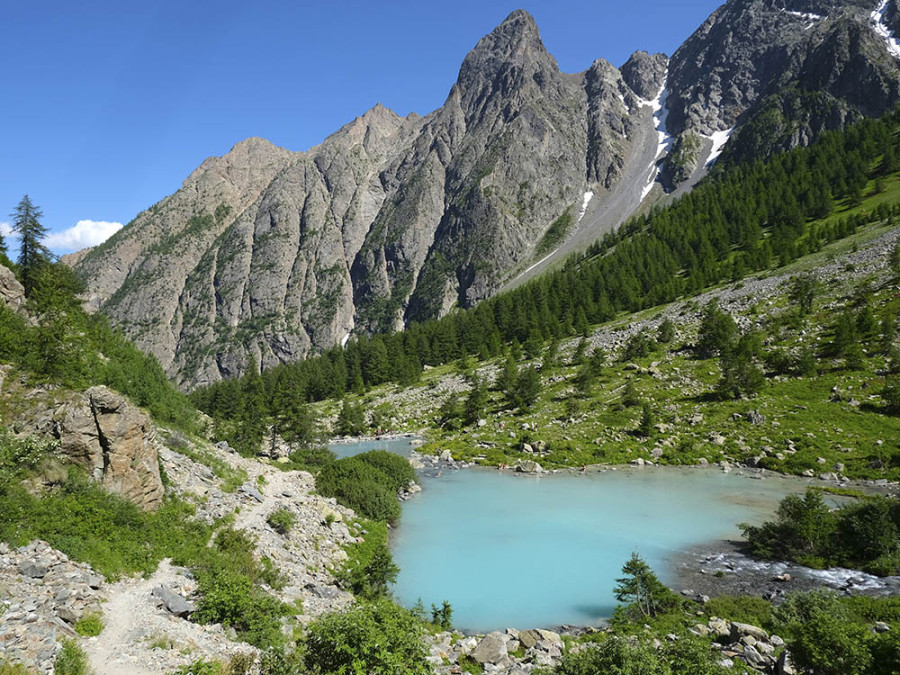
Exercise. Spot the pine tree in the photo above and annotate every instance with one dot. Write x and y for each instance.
(648, 419)
(528, 388)
(473, 410)
(642, 590)
(802, 292)
(32, 253)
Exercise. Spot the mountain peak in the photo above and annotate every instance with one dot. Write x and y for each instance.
(516, 36)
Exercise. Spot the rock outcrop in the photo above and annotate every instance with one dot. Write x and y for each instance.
(111, 439)
(12, 293)
(266, 255)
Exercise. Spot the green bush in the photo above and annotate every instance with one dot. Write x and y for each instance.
(822, 635)
(229, 581)
(90, 525)
(282, 520)
(312, 459)
(369, 568)
(90, 625)
(392, 465)
(743, 608)
(364, 487)
(377, 637)
(202, 667)
(71, 660)
(626, 657)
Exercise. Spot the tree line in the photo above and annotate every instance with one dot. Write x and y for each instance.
(741, 220)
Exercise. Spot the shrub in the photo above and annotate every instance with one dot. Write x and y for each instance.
(311, 459)
(71, 660)
(366, 484)
(229, 578)
(863, 534)
(90, 625)
(202, 667)
(395, 467)
(281, 520)
(803, 531)
(822, 637)
(235, 601)
(376, 637)
(615, 655)
(369, 567)
(744, 608)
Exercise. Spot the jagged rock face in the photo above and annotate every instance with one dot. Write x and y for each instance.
(12, 293)
(109, 438)
(892, 16)
(266, 255)
(645, 74)
(782, 71)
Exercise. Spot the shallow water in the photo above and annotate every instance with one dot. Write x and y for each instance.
(401, 446)
(513, 551)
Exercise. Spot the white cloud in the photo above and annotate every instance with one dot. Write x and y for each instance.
(6, 230)
(85, 233)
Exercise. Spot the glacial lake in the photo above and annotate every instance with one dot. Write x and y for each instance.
(520, 551)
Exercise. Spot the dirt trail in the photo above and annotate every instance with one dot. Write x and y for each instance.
(128, 614)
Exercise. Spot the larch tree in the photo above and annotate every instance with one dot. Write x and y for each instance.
(32, 253)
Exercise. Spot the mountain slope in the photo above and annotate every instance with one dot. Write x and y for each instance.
(266, 255)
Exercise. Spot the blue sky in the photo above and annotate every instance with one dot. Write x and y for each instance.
(107, 107)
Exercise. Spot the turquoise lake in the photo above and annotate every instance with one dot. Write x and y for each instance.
(522, 551)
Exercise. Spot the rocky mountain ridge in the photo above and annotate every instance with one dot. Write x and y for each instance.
(266, 255)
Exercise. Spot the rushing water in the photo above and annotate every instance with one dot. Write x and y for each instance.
(509, 550)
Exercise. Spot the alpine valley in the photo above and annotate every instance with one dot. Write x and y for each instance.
(266, 255)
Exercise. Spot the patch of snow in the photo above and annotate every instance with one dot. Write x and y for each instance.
(882, 30)
(346, 339)
(665, 140)
(536, 264)
(719, 139)
(588, 196)
(812, 18)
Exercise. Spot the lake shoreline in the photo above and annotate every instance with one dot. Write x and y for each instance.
(718, 567)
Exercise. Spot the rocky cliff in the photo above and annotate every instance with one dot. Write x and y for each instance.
(266, 255)
(104, 434)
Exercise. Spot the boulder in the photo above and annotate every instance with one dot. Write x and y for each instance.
(550, 637)
(739, 630)
(755, 417)
(491, 649)
(529, 638)
(33, 570)
(111, 439)
(173, 602)
(719, 627)
(250, 490)
(529, 466)
(12, 293)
